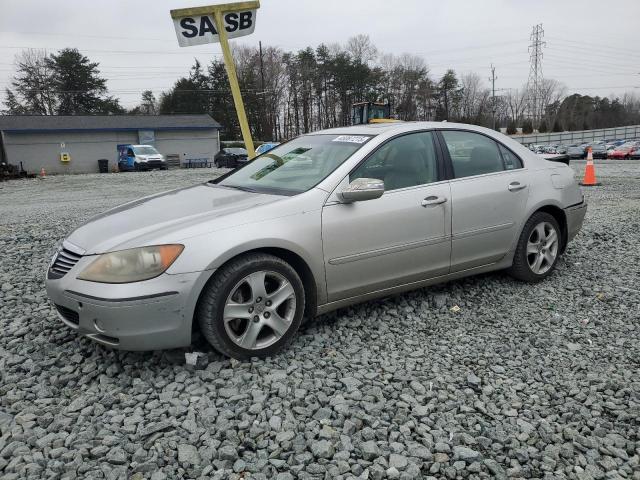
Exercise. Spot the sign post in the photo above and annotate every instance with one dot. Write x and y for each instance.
(218, 23)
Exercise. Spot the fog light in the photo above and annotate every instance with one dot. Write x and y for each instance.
(98, 324)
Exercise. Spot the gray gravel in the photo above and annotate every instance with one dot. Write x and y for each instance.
(523, 381)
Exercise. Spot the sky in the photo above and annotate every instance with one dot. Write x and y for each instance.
(591, 45)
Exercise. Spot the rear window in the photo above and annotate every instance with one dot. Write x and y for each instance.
(511, 161)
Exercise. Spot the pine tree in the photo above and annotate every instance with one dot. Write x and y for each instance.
(557, 126)
(78, 85)
(542, 128)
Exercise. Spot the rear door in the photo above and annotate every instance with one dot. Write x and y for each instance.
(399, 238)
(489, 191)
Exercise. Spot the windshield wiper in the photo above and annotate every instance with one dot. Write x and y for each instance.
(237, 187)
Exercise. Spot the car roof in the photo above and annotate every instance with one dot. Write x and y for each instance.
(379, 128)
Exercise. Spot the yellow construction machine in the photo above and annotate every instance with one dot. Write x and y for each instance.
(371, 112)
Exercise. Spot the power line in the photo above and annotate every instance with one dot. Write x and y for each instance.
(598, 46)
(76, 35)
(114, 52)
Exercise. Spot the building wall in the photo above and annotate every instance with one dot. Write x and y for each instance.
(189, 144)
(42, 150)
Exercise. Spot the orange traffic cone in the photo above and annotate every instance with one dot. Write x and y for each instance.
(589, 179)
(43, 174)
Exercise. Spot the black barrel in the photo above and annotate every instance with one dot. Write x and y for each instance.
(103, 165)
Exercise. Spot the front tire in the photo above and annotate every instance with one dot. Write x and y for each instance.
(538, 249)
(252, 307)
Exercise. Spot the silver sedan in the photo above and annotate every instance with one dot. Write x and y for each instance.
(323, 221)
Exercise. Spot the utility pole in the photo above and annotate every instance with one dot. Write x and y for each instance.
(493, 95)
(264, 94)
(534, 83)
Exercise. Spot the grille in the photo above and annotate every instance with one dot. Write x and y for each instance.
(69, 315)
(63, 263)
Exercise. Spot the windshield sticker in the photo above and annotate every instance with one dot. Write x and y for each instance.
(351, 138)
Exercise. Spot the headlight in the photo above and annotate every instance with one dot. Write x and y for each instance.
(133, 265)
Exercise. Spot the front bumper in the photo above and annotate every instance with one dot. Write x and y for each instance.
(575, 217)
(150, 164)
(151, 315)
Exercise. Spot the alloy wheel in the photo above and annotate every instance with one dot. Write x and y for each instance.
(542, 248)
(259, 310)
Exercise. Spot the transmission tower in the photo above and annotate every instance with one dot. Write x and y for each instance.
(534, 83)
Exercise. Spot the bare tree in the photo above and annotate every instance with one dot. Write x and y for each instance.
(516, 103)
(473, 97)
(551, 94)
(361, 48)
(33, 91)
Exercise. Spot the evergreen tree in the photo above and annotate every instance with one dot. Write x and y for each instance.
(78, 86)
(448, 94)
(557, 126)
(542, 128)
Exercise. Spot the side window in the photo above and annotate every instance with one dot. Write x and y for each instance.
(130, 152)
(405, 161)
(511, 161)
(472, 153)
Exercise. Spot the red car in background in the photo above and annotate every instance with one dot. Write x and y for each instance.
(624, 151)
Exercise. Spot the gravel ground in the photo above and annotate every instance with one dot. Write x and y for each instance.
(518, 381)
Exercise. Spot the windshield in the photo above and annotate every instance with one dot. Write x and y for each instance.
(295, 166)
(146, 150)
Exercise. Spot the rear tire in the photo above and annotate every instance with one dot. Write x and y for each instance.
(252, 307)
(538, 249)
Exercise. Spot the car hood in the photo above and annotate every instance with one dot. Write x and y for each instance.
(166, 215)
(149, 157)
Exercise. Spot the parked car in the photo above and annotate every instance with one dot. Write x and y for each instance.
(598, 150)
(623, 151)
(367, 213)
(576, 151)
(635, 154)
(231, 158)
(265, 147)
(561, 149)
(139, 158)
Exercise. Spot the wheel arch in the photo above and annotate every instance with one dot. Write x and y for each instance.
(560, 216)
(296, 261)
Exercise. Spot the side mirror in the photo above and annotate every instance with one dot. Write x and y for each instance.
(362, 189)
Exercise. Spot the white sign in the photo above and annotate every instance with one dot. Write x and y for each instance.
(201, 29)
(351, 139)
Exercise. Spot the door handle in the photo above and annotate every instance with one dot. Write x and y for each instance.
(433, 200)
(515, 186)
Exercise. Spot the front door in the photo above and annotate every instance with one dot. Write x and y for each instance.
(399, 238)
(488, 196)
